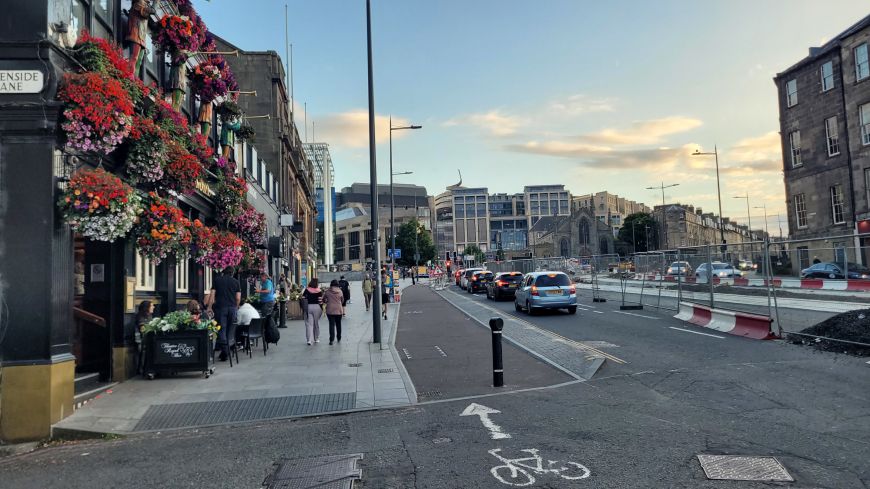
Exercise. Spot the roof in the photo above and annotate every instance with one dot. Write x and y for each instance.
(834, 43)
(546, 223)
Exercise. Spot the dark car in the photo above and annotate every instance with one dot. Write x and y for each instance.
(834, 270)
(478, 281)
(504, 285)
(458, 275)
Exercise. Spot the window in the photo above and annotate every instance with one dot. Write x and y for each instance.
(867, 184)
(794, 138)
(827, 76)
(862, 64)
(145, 273)
(864, 122)
(838, 211)
(800, 210)
(207, 276)
(791, 93)
(832, 135)
(803, 256)
(182, 275)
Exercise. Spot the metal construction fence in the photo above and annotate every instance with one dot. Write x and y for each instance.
(797, 283)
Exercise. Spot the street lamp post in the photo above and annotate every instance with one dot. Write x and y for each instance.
(392, 202)
(664, 213)
(763, 206)
(715, 153)
(373, 176)
(748, 214)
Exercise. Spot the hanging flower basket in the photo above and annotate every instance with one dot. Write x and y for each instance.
(102, 56)
(202, 239)
(99, 205)
(245, 133)
(148, 151)
(230, 194)
(162, 230)
(253, 262)
(181, 170)
(171, 121)
(250, 225)
(98, 114)
(225, 251)
(229, 112)
(176, 35)
(198, 147)
(207, 82)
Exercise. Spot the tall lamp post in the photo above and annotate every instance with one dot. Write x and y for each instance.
(373, 177)
(763, 206)
(748, 214)
(392, 202)
(715, 153)
(664, 213)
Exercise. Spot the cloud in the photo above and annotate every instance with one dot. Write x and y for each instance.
(606, 158)
(643, 132)
(494, 122)
(581, 104)
(351, 129)
(753, 155)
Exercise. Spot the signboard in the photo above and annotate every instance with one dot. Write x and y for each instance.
(179, 351)
(394, 254)
(21, 81)
(303, 274)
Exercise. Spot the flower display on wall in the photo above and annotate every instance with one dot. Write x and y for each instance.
(162, 229)
(176, 35)
(199, 147)
(171, 120)
(202, 239)
(148, 151)
(229, 112)
(180, 170)
(99, 205)
(253, 261)
(230, 194)
(225, 251)
(245, 133)
(250, 225)
(98, 114)
(99, 55)
(206, 81)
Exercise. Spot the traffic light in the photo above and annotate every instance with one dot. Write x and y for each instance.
(448, 256)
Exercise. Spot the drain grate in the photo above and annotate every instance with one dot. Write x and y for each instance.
(385, 370)
(331, 472)
(166, 416)
(432, 393)
(354, 365)
(741, 468)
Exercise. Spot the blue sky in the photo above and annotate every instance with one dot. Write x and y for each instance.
(596, 96)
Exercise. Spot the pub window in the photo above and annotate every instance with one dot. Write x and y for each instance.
(79, 16)
(182, 275)
(145, 273)
(207, 276)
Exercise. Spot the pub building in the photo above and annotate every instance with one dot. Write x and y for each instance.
(68, 302)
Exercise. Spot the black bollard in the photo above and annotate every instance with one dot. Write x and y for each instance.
(282, 314)
(496, 325)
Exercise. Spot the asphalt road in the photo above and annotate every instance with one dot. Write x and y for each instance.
(635, 425)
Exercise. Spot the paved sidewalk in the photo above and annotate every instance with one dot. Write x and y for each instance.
(294, 379)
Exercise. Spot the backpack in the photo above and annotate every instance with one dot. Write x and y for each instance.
(270, 330)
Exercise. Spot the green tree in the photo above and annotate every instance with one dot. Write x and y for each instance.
(479, 255)
(640, 230)
(405, 241)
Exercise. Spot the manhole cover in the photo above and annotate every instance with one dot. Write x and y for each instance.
(354, 365)
(740, 468)
(332, 472)
(384, 370)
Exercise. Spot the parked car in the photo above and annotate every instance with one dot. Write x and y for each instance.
(546, 290)
(504, 285)
(478, 281)
(680, 268)
(720, 269)
(834, 270)
(463, 280)
(458, 275)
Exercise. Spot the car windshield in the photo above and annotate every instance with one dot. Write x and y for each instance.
(511, 278)
(484, 275)
(554, 280)
(469, 273)
(677, 264)
(721, 266)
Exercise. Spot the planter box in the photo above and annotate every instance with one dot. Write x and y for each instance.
(179, 351)
(294, 310)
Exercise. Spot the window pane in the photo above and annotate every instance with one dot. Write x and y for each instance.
(864, 121)
(862, 65)
(791, 92)
(827, 76)
(78, 17)
(104, 8)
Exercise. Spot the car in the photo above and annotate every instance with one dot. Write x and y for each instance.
(478, 281)
(746, 264)
(680, 268)
(466, 274)
(834, 270)
(504, 285)
(546, 290)
(458, 275)
(720, 269)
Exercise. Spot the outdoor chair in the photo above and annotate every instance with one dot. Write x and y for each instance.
(232, 347)
(254, 331)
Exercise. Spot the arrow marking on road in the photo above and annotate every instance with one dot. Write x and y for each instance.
(475, 409)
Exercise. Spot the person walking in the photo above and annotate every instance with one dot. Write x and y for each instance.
(414, 276)
(144, 314)
(314, 298)
(368, 286)
(223, 301)
(385, 292)
(344, 285)
(334, 299)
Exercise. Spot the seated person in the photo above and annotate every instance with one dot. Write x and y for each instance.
(246, 313)
(195, 310)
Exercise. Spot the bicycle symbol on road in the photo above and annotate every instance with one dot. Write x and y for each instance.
(516, 471)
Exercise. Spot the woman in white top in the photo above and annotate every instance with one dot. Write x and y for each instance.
(246, 313)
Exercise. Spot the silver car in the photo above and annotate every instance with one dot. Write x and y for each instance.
(720, 269)
(546, 290)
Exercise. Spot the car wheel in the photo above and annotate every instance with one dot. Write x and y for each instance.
(517, 307)
(572, 310)
(530, 310)
(831, 275)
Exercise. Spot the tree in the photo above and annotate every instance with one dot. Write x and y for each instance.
(405, 241)
(641, 230)
(479, 256)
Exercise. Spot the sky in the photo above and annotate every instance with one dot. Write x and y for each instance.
(594, 95)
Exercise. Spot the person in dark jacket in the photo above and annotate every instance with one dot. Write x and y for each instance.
(334, 300)
(344, 285)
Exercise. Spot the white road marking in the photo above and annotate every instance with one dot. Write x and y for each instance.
(598, 312)
(697, 332)
(633, 314)
(475, 409)
(405, 351)
(440, 351)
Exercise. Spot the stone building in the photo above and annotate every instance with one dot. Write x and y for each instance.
(609, 208)
(824, 107)
(579, 234)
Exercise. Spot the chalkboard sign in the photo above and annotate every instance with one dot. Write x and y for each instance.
(177, 352)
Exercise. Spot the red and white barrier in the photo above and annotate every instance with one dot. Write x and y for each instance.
(732, 322)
